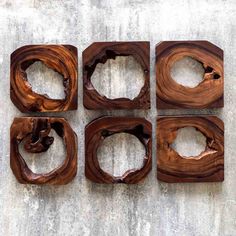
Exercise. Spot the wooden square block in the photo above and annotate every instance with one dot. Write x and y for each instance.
(207, 94)
(207, 167)
(34, 133)
(100, 128)
(61, 58)
(100, 52)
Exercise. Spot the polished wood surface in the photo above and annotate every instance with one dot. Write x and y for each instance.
(100, 128)
(207, 167)
(207, 94)
(61, 58)
(34, 133)
(100, 52)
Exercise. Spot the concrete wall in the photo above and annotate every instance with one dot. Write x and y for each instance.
(84, 208)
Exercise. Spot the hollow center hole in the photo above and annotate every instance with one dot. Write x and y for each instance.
(122, 77)
(189, 142)
(45, 162)
(119, 153)
(45, 80)
(188, 72)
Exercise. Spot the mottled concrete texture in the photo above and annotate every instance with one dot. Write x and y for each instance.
(84, 208)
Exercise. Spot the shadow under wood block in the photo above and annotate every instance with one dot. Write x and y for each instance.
(61, 58)
(100, 52)
(97, 130)
(207, 94)
(33, 132)
(208, 166)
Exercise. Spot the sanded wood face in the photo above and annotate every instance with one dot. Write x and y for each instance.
(100, 128)
(207, 94)
(100, 52)
(34, 133)
(208, 166)
(61, 58)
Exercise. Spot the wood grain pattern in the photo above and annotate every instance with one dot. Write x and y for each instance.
(34, 133)
(207, 167)
(100, 52)
(100, 128)
(61, 58)
(207, 94)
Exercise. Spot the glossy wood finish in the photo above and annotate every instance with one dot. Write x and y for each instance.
(97, 130)
(34, 133)
(207, 167)
(100, 52)
(208, 94)
(61, 58)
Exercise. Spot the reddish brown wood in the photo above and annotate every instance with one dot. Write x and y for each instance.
(207, 167)
(97, 130)
(208, 94)
(100, 52)
(34, 133)
(61, 58)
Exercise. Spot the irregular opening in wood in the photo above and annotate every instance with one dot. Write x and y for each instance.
(44, 162)
(189, 142)
(120, 153)
(188, 72)
(216, 76)
(45, 81)
(122, 77)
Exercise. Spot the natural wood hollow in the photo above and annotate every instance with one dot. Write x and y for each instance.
(207, 94)
(61, 58)
(187, 72)
(100, 128)
(100, 52)
(42, 79)
(34, 131)
(122, 77)
(189, 137)
(113, 158)
(208, 166)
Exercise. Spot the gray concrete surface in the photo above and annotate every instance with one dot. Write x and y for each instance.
(85, 208)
